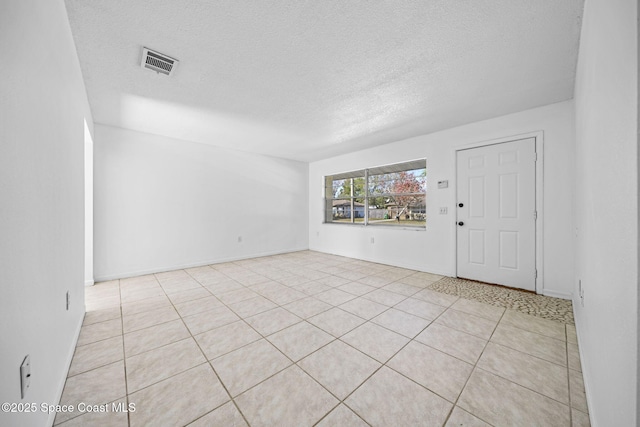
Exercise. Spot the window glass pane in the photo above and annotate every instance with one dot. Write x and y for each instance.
(405, 211)
(348, 210)
(341, 188)
(411, 181)
(396, 195)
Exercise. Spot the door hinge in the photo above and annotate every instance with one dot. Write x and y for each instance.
(535, 157)
(535, 214)
(535, 274)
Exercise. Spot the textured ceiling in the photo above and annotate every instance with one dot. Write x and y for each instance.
(310, 79)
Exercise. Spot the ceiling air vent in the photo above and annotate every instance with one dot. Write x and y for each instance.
(158, 62)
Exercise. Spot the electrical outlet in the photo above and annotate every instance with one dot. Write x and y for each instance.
(443, 211)
(68, 300)
(25, 376)
(373, 240)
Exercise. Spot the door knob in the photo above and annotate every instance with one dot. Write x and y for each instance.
(460, 205)
(461, 223)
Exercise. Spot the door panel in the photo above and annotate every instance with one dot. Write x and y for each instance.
(496, 241)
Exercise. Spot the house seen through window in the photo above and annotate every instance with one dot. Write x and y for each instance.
(386, 195)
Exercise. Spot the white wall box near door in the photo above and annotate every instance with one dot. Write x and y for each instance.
(496, 214)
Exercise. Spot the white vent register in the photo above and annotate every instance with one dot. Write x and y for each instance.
(158, 62)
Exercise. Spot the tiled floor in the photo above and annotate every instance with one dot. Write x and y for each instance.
(314, 339)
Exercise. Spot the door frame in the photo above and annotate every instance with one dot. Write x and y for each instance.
(538, 136)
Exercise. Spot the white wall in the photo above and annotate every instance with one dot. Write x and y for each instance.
(162, 203)
(606, 97)
(433, 250)
(42, 111)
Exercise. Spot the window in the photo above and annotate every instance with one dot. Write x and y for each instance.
(387, 195)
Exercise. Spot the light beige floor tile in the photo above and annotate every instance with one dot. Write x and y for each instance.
(342, 417)
(576, 389)
(573, 356)
(139, 280)
(531, 343)
(389, 399)
(474, 325)
(420, 308)
(174, 287)
(428, 277)
(243, 368)
(211, 319)
(478, 309)
(237, 295)
(222, 340)
(443, 374)
(154, 336)
(417, 281)
(129, 295)
(375, 281)
(333, 281)
(94, 355)
(540, 326)
(289, 398)
(286, 296)
(150, 367)
(438, 298)
(335, 297)
(220, 287)
(337, 322)
(385, 297)
(313, 288)
(102, 303)
(225, 416)
(98, 386)
(100, 331)
(149, 318)
(572, 336)
(145, 305)
(503, 403)
(528, 371)
(110, 416)
(101, 315)
(363, 307)
(402, 289)
(356, 288)
(453, 342)
(293, 280)
(252, 306)
(299, 340)
(189, 308)
(401, 322)
(307, 307)
(339, 367)
(178, 400)
(272, 321)
(189, 295)
(461, 418)
(579, 419)
(375, 341)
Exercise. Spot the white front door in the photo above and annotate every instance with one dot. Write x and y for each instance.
(496, 218)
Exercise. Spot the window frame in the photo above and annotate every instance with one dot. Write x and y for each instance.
(329, 202)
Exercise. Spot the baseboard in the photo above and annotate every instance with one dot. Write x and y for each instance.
(194, 264)
(555, 294)
(89, 282)
(52, 415)
(585, 376)
(409, 266)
